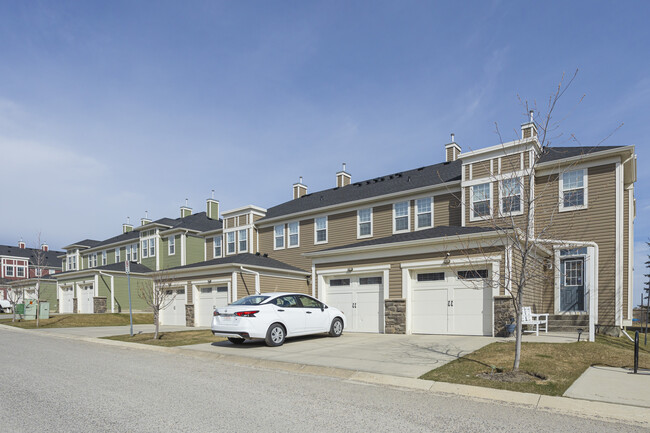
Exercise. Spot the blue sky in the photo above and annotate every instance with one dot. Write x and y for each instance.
(108, 109)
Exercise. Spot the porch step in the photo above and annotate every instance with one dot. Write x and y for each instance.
(568, 323)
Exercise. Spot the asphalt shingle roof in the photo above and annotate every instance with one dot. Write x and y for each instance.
(86, 243)
(50, 256)
(119, 238)
(436, 232)
(245, 260)
(555, 153)
(397, 182)
(198, 221)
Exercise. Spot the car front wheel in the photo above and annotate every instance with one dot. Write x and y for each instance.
(235, 340)
(337, 327)
(275, 335)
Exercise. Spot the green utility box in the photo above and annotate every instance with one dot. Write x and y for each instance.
(30, 310)
(44, 312)
(20, 309)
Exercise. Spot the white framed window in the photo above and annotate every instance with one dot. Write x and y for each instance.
(171, 245)
(145, 249)
(117, 255)
(152, 247)
(216, 242)
(511, 202)
(104, 257)
(278, 236)
(230, 243)
(364, 223)
(39, 272)
(134, 252)
(401, 217)
(481, 201)
(128, 253)
(92, 260)
(573, 190)
(9, 271)
(424, 213)
(320, 230)
(20, 271)
(243, 240)
(293, 230)
(74, 262)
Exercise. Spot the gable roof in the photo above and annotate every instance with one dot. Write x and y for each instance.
(119, 238)
(392, 183)
(50, 256)
(245, 259)
(432, 233)
(556, 153)
(88, 243)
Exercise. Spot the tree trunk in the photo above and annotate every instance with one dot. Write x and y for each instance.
(38, 308)
(515, 366)
(156, 322)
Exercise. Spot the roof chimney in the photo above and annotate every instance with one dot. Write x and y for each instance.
(529, 129)
(185, 210)
(299, 189)
(127, 227)
(212, 210)
(452, 149)
(21, 244)
(343, 178)
(45, 247)
(144, 221)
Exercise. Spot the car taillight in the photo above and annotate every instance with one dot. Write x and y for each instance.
(216, 313)
(247, 313)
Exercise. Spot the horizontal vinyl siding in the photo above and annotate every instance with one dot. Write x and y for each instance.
(626, 246)
(209, 248)
(597, 223)
(194, 250)
(122, 294)
(447, 210)
(481, 169)
(270, 283)
(511, 163)
(245, 284)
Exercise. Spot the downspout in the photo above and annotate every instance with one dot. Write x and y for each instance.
(257, 278)
(594, 288)
(112, 291)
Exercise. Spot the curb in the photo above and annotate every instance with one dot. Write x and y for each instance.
(562, 405)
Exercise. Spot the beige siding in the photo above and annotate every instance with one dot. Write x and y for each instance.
(209, 248)
(382, 221)
(447, 210)
(596, 223)
(245, 284)
(511, 163)
(230, 222)
(480, 169)
(626, 246)
(270, 283)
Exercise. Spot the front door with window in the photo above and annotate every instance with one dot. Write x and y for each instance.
(572, 289)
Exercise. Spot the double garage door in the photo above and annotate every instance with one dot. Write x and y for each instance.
(361, 298)
(451, 302)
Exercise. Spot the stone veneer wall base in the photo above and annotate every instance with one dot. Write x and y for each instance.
(189, 315)
(99, 304)
(395, 316)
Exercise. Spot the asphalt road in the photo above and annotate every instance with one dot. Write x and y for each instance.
(53, 384)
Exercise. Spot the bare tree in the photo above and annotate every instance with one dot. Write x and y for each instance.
(528, 241)
(39, 263)
(14, 297)
(157, 293)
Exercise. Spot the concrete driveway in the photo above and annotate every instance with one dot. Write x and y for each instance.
(399, 355)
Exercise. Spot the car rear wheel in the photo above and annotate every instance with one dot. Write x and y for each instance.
(337, 327)
(275, 335)
(235, 340)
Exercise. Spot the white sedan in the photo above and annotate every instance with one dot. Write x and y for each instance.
(276, 316)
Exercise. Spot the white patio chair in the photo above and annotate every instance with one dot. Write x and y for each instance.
(528, 318)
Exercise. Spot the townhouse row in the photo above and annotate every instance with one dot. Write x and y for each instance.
(436, 249)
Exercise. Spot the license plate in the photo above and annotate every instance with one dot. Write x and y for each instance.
(226, 318)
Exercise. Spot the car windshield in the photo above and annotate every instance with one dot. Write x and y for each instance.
(250, 300)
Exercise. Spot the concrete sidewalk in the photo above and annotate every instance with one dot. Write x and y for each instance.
(107, 331)
(612, 385)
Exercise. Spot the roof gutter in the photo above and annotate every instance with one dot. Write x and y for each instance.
(230, 265)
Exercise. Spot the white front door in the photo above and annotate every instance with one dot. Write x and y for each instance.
(209, 298)
(85, 299)
(66, 302)
(360, 298)
(174, 313)
(445, 301)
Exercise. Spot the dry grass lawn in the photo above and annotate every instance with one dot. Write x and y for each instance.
(170, 339)
(83, 320)
(560, 364)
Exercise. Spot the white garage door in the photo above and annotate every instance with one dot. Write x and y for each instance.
(448, 302)
(85, 299)
(208, 299)
(360, 299)
(66, 300)
(174, 313)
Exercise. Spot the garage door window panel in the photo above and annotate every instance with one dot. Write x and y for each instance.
(339, 282)
(473, 274)
(431, 276)
(369, 280)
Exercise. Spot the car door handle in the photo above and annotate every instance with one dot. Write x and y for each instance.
(279, 311)
(308, 312)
